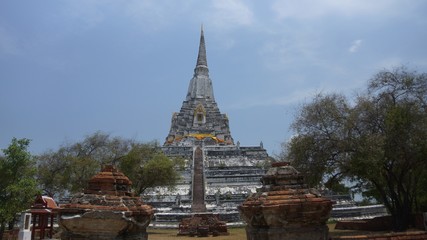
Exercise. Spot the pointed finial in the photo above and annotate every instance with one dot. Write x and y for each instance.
(201, 85)
(202, 63)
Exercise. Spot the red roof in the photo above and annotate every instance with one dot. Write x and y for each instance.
(44, 202)
(50, 202)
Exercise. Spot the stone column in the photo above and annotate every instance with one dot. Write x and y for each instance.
(198, 204)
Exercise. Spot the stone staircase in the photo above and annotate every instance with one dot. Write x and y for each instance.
(198, 183)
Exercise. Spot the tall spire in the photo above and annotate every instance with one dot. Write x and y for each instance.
(201, 85)
(202, 63)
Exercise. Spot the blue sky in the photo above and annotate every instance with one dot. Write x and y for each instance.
(69, 68)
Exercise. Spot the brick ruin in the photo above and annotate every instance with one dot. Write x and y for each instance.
(202, 225)
(106, 210)
(285, 208)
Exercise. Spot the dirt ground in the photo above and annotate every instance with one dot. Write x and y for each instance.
(235, 234)
(166, 234)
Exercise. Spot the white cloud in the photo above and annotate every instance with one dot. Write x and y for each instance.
(308, 9)
(152, 14)
(355, 45)
(282, 100)
(89, 12)
(157, 13)
(389, 63)
(287, 50)
(229, 13)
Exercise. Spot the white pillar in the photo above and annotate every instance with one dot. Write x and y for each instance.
(25, 228)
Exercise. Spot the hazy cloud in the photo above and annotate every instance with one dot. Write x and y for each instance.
(153, 14)
(355, 45)
(389, 63)
(282, 100)
(89, 12)
(283, 51)
(157, 13)
(229, 13)
(306, 9)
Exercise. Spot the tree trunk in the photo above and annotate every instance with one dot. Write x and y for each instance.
(2, 227)
(401, 219)
(11, 224)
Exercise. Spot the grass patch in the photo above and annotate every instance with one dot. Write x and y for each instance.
(239, 233)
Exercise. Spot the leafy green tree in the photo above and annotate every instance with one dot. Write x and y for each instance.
(53, 172)
(378, 143)
(18, 186)
(68, 169)
(318, 149)
(147, 167)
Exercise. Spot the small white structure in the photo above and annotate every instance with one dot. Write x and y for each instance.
(24, 229)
